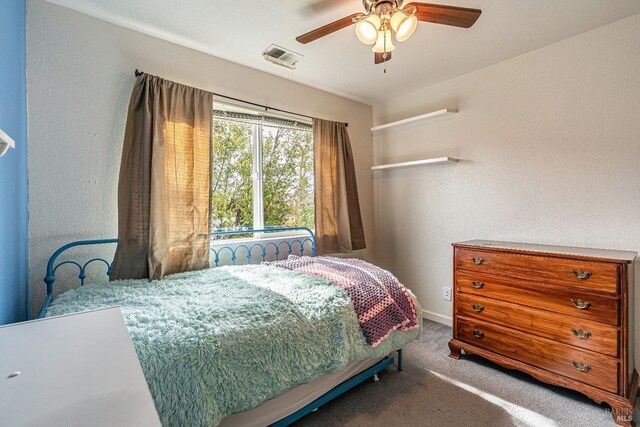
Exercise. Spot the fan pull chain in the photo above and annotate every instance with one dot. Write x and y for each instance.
(384, 55)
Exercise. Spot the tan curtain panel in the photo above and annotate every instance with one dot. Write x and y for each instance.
(337, 208)
(164, 188)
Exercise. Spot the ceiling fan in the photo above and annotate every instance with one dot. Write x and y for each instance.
(384, 18)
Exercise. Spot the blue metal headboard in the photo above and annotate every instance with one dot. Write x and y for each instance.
(217, 250)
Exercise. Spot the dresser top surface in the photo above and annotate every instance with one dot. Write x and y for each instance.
(596, 254)
(73, 370)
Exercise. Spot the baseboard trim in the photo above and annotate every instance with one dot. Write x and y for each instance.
(445, 320)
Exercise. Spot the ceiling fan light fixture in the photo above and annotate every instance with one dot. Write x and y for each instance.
(397, 18)
(386, 21)
(403, 24)
(367, 29)
(384, 43)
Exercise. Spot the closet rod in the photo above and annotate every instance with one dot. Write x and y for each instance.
(266, 108)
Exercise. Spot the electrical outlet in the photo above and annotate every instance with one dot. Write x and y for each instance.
(446, 294)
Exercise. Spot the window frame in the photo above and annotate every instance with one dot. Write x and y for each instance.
(258, 174)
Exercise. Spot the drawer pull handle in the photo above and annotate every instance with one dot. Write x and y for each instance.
(582, 367)
(477, 308)
(477, 261)
(579, 304)
(476, 333)
(477, 285)
(583, 335)
(581, 275)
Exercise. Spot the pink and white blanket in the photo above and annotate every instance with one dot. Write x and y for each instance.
(381, 302)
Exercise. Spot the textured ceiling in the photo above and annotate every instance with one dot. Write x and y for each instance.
(240, 30)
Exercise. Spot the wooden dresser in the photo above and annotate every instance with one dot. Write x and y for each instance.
(563, 315)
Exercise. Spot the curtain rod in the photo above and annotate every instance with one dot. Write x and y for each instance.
(266, 108)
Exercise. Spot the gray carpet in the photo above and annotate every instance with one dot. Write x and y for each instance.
(435, 390)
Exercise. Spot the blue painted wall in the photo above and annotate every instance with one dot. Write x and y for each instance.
(13, 166)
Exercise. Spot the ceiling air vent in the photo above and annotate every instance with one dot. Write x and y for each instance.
(281, 56)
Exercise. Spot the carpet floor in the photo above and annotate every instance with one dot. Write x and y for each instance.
(435, 390)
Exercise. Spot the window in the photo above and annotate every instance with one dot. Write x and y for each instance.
(262, 171)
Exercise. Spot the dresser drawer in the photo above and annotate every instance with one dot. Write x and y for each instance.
(577, 332)
(599, 276)
(590, 368)
(571, 301)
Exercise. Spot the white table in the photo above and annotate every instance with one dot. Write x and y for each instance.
(74, 370)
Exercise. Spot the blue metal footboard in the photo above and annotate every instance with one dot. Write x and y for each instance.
(232, 250)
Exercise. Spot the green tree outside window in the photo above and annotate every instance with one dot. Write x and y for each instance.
(287, 175)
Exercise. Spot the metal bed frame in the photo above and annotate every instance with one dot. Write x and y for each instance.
(249, 250)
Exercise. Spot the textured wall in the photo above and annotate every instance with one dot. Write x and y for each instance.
(550, 149)
(13, 166)
(80, 75)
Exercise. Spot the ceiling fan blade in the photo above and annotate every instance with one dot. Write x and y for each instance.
(378, 57)
(446, 15)
(328, 29)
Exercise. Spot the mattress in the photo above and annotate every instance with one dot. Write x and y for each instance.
(226, 340)
(295, 399)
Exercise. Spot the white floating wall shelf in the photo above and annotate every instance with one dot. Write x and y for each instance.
(6, 142)
(423, 162)
(433, 114)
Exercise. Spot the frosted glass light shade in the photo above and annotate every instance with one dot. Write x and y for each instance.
(367, 29)
(384, 43)
(404, 25)
(397, 17)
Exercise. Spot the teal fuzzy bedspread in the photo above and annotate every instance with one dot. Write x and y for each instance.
(224, 340)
